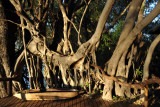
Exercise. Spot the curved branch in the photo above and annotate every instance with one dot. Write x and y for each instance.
(115, 20)
(79, 42)
(35, 46)
(25, 49)
(122, 47)
(149, 57)
(141, 85)
(11, 22)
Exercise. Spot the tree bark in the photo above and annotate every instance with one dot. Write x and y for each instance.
(147, 62)
(3, 41)
(122, 47)
(149, 57)
(7, 40)
(128, 26)
(130, 19)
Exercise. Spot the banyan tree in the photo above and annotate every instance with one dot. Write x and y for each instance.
(56, 44)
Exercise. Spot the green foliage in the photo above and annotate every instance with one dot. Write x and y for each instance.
(86, 84)
(120, 98)
(97, 90)
(18, 44)
(90, 95)
(95, 10)
(117, 29)
(139, 72)
(109, 40)
(114, 97)
(90, 20)
(101, 91)
(94, 90)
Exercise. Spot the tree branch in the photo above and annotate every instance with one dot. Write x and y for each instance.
(149, 57)
(115, 20)
(79, 31)
(140, 85)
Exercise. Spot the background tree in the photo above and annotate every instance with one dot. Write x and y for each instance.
(7, 42)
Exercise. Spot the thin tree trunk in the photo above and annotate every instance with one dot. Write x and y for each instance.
(147, 62)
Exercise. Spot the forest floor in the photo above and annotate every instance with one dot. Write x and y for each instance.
(154, 99)
(84, 100)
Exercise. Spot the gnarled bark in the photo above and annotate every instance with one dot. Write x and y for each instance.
(147, 62)
(125, 45)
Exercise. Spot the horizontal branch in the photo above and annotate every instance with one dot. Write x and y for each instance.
(140, 85)
(6, 20)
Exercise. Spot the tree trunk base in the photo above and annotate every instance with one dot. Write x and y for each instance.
(107, 91)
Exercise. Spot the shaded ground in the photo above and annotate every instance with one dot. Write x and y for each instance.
(154, 99)
(80, 101)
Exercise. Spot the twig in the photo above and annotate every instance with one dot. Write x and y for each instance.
(79, 42)
(109, 27)
(72, 24)
(6, 20)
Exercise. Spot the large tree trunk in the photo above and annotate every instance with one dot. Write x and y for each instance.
(3, 88)
(133, 12)
(37, 46)
(3, 41)
(128, 26)
(61, 55)
(125, 45)
(4, 57)
(7, 37)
